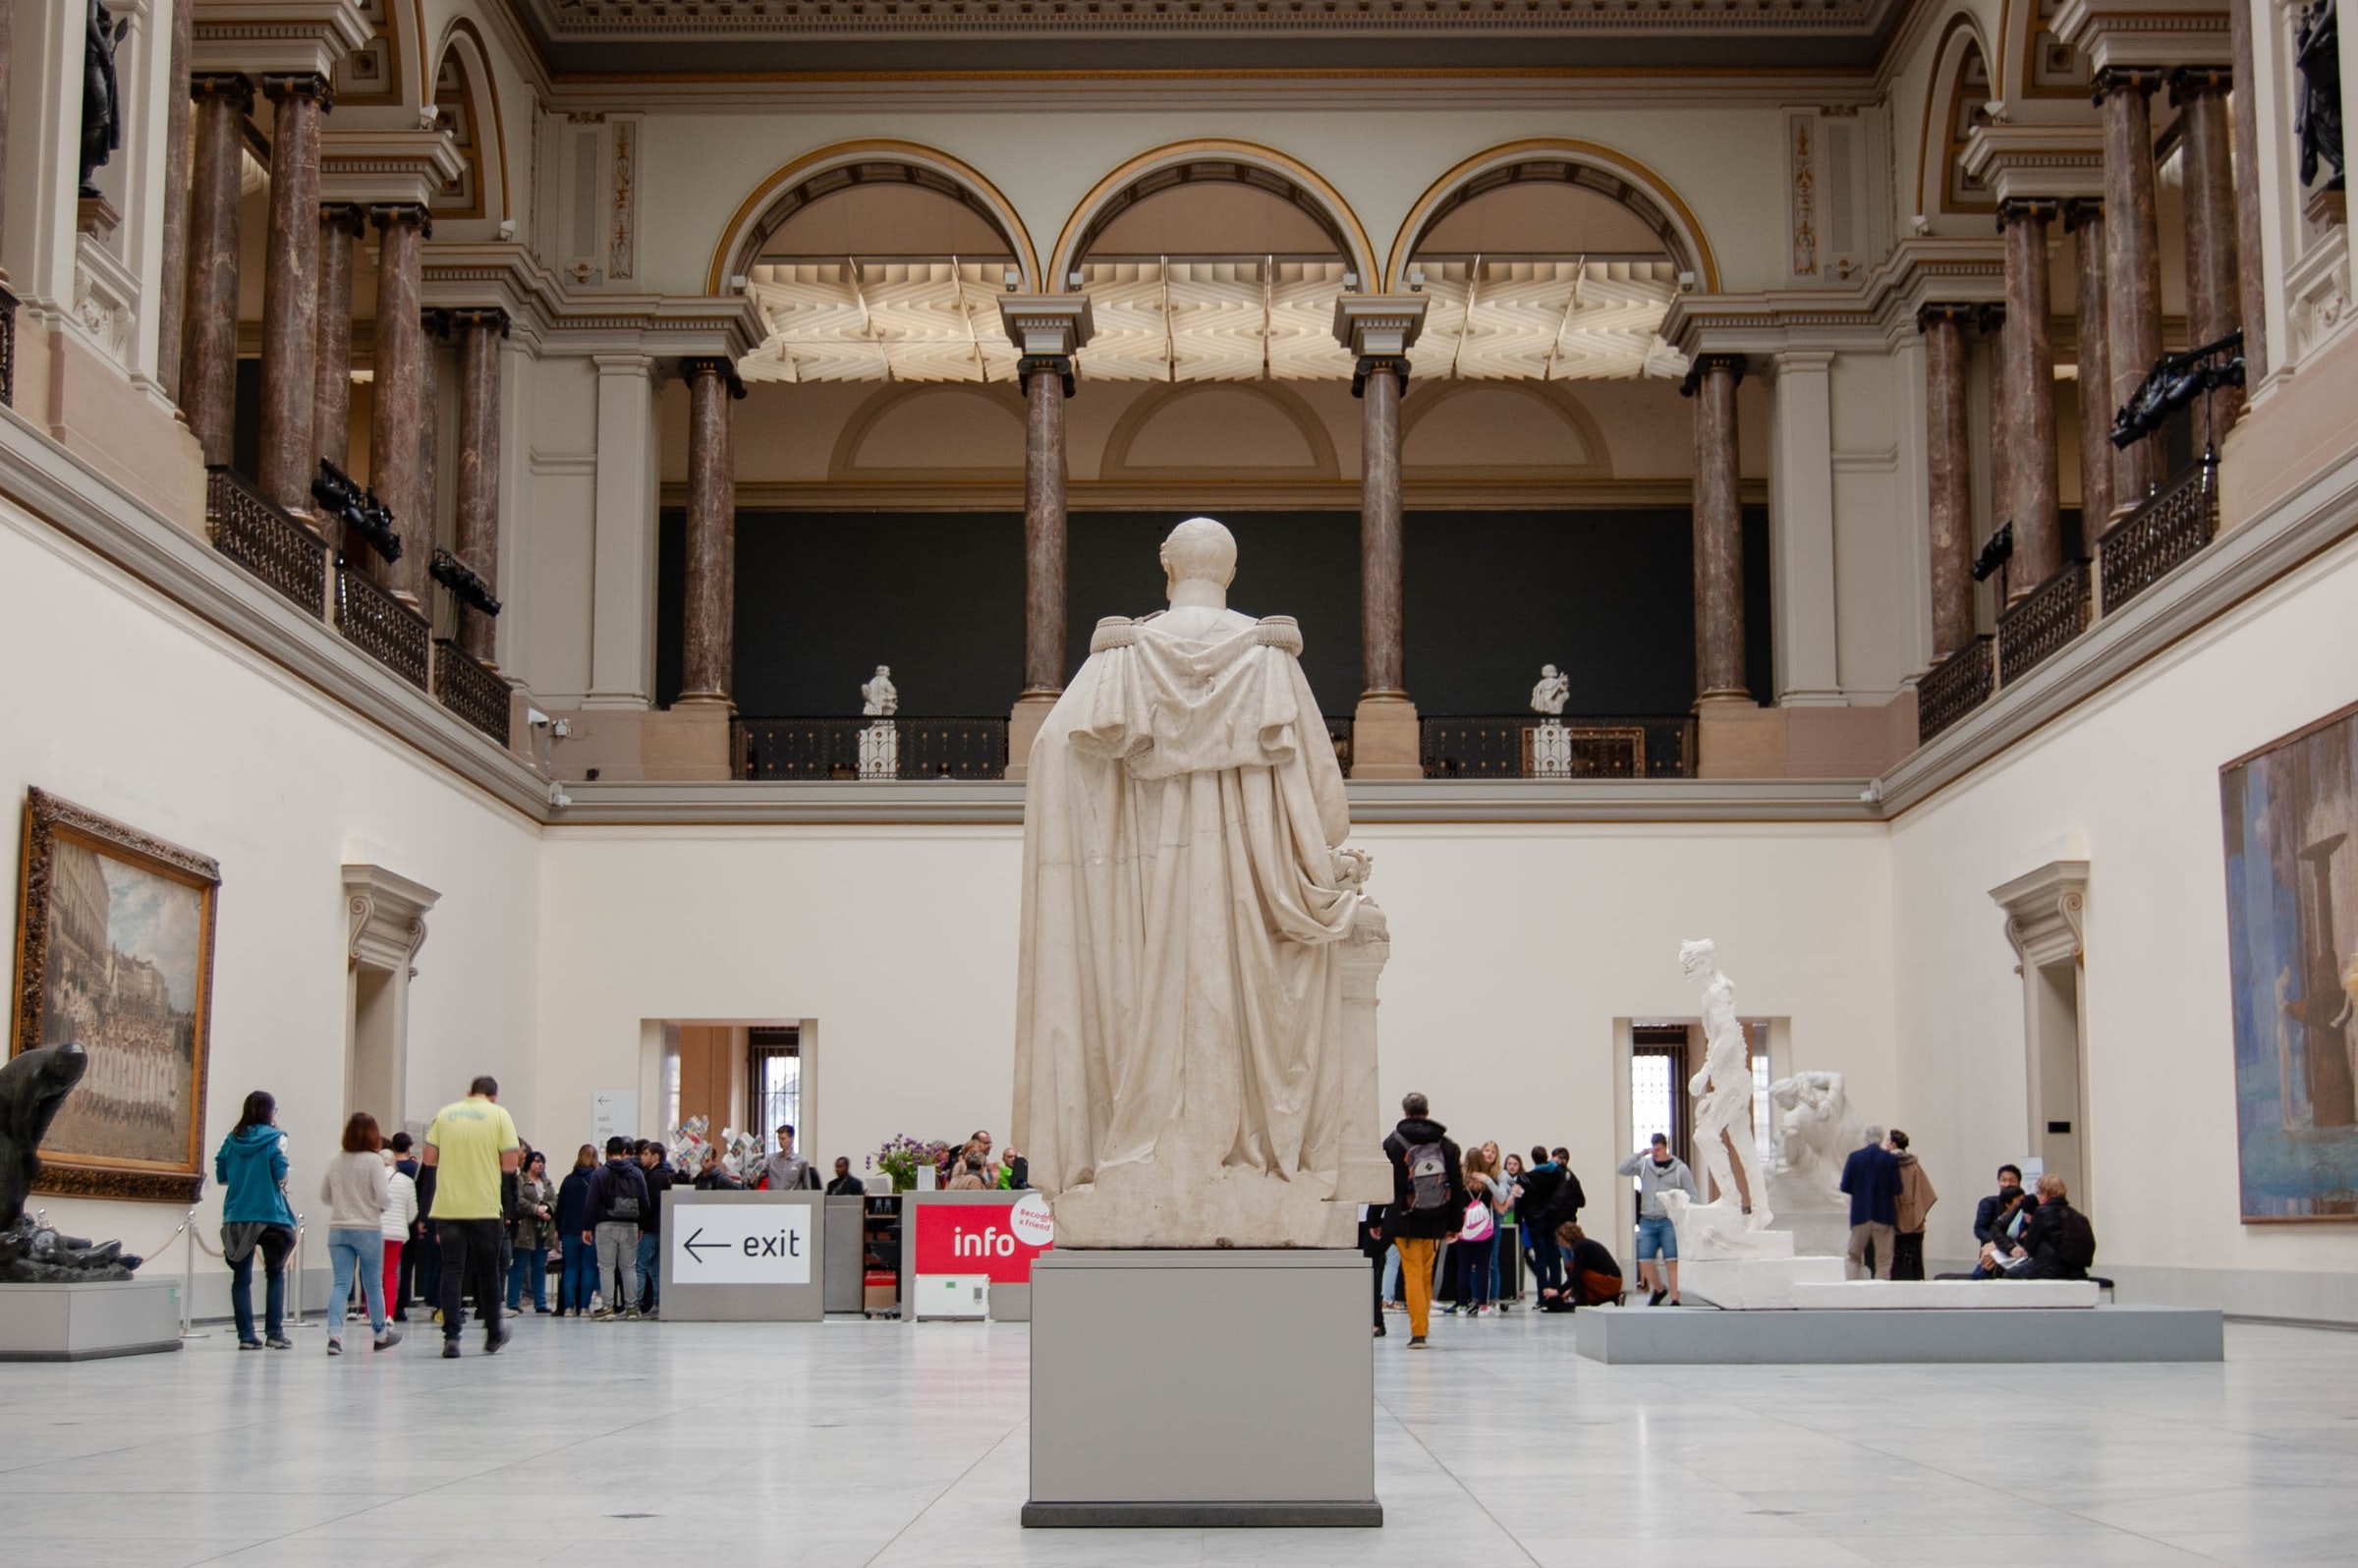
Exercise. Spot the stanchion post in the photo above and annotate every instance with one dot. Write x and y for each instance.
(295, 1284)
(187, 1275)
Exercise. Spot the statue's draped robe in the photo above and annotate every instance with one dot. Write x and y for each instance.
(1180, 997)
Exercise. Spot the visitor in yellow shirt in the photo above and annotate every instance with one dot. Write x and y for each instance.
(471, 1154)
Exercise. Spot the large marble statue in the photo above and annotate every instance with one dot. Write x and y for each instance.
(1194, 1010)
(1552, 692)
(31, 1088)
(1722, 1091)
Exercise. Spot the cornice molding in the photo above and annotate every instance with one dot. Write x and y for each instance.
(385, 168)
(1878, 311)
(551, 317)
(1215, 489)
(2146, 33)
(2037, 162)
(274, 37)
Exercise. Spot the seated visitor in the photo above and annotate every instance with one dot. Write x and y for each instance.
(2059, 1241)
(1999, 1222)
(1592, 1277)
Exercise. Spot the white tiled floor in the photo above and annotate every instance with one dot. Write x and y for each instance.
(850, 1443)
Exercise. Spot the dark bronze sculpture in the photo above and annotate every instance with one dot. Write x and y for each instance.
(101, 96)
(31, 1088)
(2317, 119)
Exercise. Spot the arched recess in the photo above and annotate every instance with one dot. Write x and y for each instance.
(2032, 62)
(1212, 160)
(462, 77)
(1176, 401)
(383, 72)
(845, 166)
(1495, 423)
(960, 429)
(1569, 162)
(1960, 84)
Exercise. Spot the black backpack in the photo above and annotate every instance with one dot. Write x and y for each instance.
(1428, 1168)
(2076, 1248)
(624, 1204)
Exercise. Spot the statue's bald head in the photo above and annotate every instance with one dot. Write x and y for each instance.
(1200, 550)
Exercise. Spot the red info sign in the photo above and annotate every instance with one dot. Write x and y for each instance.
(982, 1238)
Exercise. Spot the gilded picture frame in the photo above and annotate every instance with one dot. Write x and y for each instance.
(115, 952)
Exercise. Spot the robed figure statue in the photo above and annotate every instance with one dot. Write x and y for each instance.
(1194, 1014)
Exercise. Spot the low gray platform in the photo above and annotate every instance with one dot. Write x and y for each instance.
(1700, 1336)
(85, 1322)
(1194, 1389)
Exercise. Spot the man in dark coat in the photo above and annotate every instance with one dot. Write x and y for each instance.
(1870, 1176)
(1429, 1200)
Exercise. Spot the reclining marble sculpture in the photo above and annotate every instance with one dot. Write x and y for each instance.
(1194, 1046)
(33, 1087)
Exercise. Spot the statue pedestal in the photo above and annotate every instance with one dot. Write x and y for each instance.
(83, 1322)
(1551, 750)
(881, 751)
(1185, 1389)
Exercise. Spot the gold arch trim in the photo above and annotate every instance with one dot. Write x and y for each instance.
(479, 66)
(880, 150)
(1939, 90)
(1214, 150)
(1541, 149)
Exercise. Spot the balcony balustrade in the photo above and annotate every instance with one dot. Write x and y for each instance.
(1500, 746)
(829, 748)
(471, 690)
(2160, 537)
(1954, 686)
(380, 625)
(252, 531)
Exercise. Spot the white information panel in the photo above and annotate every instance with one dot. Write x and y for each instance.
(613, 1113)
(740, 1244)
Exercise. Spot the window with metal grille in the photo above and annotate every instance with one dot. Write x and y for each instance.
(774, 1078)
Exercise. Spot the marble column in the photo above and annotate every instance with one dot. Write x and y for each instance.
(2132, 266)
(1992, 319)
(208, 345)
(2214, 297)
(480, 333)
(291, 291)
(2029, 394)
(2245, 164)
(2084, 220)
(435, 324)
(1380, 381)
(340, 227)
(1718, 530)
(709, 626)
(1046, 380)
(172, 299)
(1948, 463)
(396, 405)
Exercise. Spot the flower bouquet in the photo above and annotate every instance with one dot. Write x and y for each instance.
(901, 1157)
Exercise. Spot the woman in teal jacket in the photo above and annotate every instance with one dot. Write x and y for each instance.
(252, 1168)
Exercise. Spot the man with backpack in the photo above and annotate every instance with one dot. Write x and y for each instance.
(2058, 1238)
(617, 1200)
(1428, 1196)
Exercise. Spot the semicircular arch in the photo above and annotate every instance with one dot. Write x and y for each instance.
(1583, 456)
(1001, 414)
(847, 165)
(492, 184)
(1562, 160)
(1961, 43)
(1291, 409)
(1246, 163)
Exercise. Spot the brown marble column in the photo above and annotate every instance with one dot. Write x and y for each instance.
(340, 226)
(412, 573)
(2030, 395)
(479, 334)
(1047, 380)
(394, 405)
(2132, 266)
(1718, 530)
(1993, 322)
(2213, 297)
(2084, 220)
(709, 629)
(291, 291)
(1947, 468)
(209, 347)
(2246, 168)
(172, 301)
(1381, 381)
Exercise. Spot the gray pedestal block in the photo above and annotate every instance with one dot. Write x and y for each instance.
(83, 1322)
(1184, 1389)
(735, 1256)
(1699, 1336)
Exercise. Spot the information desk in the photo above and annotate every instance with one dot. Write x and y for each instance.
(734, 1257)
(974, 1234)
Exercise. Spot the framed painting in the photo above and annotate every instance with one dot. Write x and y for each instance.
(2290, 811)
(115, 953)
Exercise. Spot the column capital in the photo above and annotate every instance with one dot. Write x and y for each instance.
(350, 216)
(2028, 210)
(2080, 211)
(203, 84)
(1947, 312)
(297, 84)
(386, 214)
(1991, 317)
(436, 320)
(1372, 365)
(1706, 365)
(2113, 79)
(1380, 326)
(2188, 82)
(1056, 325)
(479, 318)
(696, 366)
(1058, 365)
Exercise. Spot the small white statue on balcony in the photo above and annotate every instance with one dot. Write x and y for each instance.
(880, 697)
(1550, 695)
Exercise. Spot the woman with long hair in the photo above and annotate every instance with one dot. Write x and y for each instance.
(1477, 1236)
(356, 1191)
(251, 1170)
(530, 1233)
(579, 1275)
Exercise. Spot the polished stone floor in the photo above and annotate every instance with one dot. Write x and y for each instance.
(851, 1443)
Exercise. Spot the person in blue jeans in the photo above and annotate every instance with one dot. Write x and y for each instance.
(358, 1189)
(1658, 1171)
(251, 1170)
(578, 1280)
(530, 1233)
(650, 1226)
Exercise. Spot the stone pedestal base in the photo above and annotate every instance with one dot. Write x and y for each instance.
(1551, 750)
(83, 1322)
(1191, 1389)
(1384, 741)
(1753, 1284)
(881, 751)
(690, 741)
(1023, 728)
(1688, 1336)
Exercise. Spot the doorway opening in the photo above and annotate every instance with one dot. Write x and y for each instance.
(1664, 1055)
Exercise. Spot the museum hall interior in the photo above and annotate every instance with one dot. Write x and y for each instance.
(1178, 781)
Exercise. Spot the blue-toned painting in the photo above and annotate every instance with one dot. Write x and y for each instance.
(2291, 818)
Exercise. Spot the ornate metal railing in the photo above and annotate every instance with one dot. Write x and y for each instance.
(1498, 746)
(380, 625)
(8, 347)
(1954, 688)
(2160, 536)
(252, 530)
(2045, 621)
(475, 693)
(829, 748)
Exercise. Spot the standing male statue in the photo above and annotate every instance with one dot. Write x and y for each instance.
(1184, 1076)
(1722, 1093)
